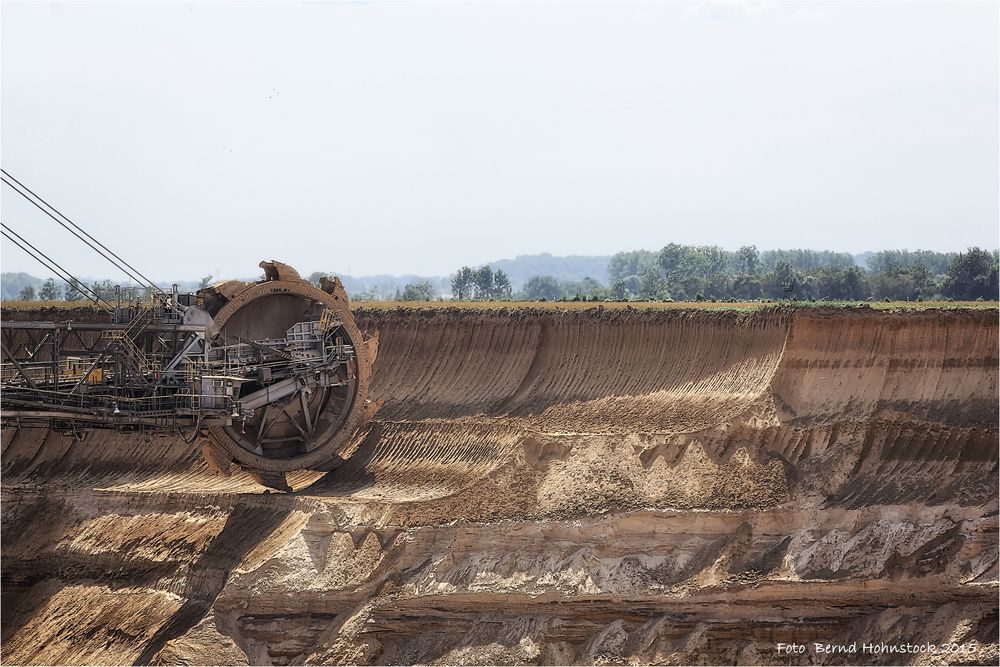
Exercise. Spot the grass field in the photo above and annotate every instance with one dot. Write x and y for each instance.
(39, 305)
(584, 305)
(679, 305)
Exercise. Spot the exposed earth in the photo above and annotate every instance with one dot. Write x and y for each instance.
(607, 486)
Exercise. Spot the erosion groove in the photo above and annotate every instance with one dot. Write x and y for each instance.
(570, 371)
(602, 486)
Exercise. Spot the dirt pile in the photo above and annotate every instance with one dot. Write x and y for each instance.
(552, 487)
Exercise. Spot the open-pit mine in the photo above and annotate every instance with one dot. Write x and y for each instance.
(522, 485)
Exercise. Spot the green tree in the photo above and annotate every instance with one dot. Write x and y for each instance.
(590, 287)
(26, 294)
(782, 281)
(619, 289)
(841, 284)
(675, 261)
(633, 285)
(75, 291)
(50, 291)
(749, 259)
(807, 260)
(652, 284)
(418, 291)
(370, 293)
(501, 284)
(747, 287)
(692, 270)
(542, 287)
(632, 263)
(677, 264)
(462, 283)
(104, 288)
(903, 283)
(854, 284)
(937, 263)
(972, 275)
(710, 260)
(482, 282)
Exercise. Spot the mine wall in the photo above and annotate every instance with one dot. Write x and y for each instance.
(553, 487)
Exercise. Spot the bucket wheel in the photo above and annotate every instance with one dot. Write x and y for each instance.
(305, 428)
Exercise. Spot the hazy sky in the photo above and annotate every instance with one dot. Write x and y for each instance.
(365, 137)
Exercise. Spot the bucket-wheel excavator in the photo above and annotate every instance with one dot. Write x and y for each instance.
(272, 375)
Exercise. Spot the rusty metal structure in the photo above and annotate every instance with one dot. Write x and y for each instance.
(272, 376)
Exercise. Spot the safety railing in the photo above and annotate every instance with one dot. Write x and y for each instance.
(143, 363)
(68, 370)
(111, 403)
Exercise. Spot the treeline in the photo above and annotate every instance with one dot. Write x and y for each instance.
(675, 272)
(709, 272)
(694, 273)
(78, 290)
(483, 283)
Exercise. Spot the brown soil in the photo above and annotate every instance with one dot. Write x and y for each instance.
(551, 486)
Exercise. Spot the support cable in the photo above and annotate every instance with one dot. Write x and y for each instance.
(41, 208)
(48, 263)
(73, 228)
(51, 265)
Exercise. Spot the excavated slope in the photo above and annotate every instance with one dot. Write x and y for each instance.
(605, 486)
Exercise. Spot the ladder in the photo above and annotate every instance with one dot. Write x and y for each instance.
(327, 319)
(126, 340)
